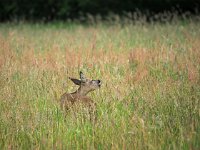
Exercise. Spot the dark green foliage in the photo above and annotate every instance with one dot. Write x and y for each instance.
(47, 10)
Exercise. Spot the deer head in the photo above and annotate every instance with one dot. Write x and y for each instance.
(86, 85)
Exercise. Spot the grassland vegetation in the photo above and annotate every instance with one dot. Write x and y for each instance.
(149, 99)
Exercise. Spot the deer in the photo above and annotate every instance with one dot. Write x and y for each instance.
(68, 100)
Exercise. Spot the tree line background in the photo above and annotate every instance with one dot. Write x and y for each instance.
(48, 10)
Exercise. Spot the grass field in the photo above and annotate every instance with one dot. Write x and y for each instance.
(149, 99)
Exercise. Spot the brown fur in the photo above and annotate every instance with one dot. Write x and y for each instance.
(69, 100)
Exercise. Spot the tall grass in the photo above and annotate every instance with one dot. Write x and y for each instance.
(150, 93)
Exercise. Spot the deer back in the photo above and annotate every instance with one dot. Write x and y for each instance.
(69, 99)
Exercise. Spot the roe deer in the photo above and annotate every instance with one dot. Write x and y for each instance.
(68, 100)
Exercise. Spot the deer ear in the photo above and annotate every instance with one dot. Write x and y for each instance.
(76, 81)
(82, 76)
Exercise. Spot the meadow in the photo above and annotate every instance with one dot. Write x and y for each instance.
(150, 94)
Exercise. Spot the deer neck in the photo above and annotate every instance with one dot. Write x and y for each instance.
(81, 92)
